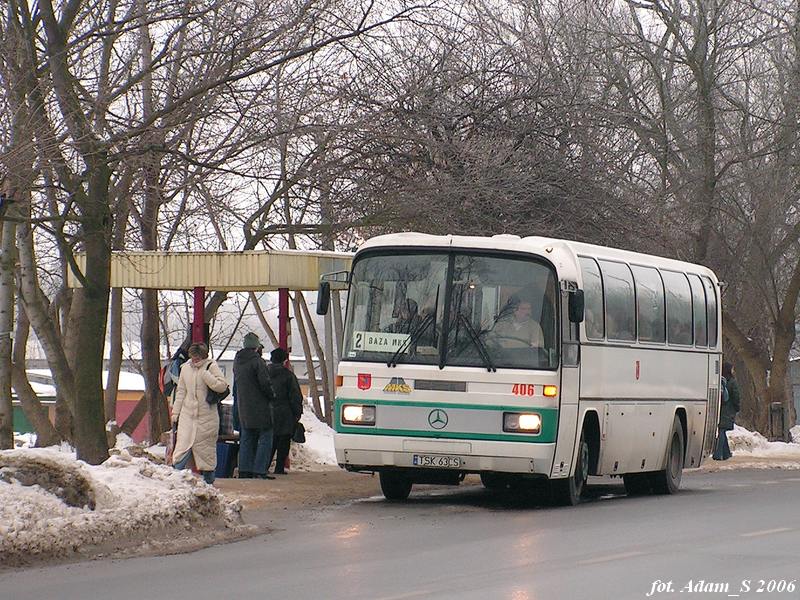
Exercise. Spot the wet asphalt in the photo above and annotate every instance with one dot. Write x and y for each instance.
(726, 534)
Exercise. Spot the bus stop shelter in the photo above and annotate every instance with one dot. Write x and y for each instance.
(228, 271)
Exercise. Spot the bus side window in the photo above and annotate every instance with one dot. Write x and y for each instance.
(592, 298)
(699, 311)
(679, 308)
(650, 302)
(711, 311)
(620, 301)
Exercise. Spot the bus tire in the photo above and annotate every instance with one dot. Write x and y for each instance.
(395, 486)
(668, 481)
(568, 492)
(637, 484)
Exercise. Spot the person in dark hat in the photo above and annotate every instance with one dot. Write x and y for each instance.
(288, 407)
(254, 397)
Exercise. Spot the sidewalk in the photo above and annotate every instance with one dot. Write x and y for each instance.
(297, 490)
(788, 461)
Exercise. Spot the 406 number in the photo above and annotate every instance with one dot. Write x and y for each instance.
(523, 389)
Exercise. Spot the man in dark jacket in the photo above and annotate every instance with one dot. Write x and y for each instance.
(727, 413)
(254, 397)
(288, 407)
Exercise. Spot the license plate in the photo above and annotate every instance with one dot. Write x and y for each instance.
(437, 461)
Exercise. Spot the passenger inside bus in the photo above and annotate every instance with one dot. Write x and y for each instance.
(408, 318)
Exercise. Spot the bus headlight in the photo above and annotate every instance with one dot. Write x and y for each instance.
(357, 414)
(522, 422)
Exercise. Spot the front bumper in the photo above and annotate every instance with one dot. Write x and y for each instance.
(377, 452)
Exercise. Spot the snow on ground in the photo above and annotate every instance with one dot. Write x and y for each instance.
(751, 450)
(46, 499)
(317, 452)
(795, 431)
(744, 442)
(52, 504)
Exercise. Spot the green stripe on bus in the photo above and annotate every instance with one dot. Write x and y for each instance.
(547, 435)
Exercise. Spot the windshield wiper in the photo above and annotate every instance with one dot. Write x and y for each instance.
(412, 338)
(483, 351)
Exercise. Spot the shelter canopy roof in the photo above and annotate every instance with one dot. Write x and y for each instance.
(240, 271)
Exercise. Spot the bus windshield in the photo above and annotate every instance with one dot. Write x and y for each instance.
(458, 309)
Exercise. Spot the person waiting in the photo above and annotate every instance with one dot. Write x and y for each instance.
(254, 398)
(288, 407)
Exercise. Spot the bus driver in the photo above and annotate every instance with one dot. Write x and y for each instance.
(519, 331)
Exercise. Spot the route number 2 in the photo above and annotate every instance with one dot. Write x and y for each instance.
(523, 389)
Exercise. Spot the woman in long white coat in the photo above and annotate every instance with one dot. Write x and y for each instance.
(197, 421)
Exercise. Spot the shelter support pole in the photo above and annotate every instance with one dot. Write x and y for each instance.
(284, 340)
(283, 319)
(199, 316)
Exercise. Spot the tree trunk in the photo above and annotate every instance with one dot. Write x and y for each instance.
(36, 309)
(313, 389)
(91, 443)
(312, 330)
(115, 357)
(151, 365)
(151, 354)
(263, 320)
(37, 415)
(122, 192)
(778, 380)
(7, 254)
(756, 367)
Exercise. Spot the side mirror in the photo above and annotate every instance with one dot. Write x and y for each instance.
(576, 307)
(323, 298)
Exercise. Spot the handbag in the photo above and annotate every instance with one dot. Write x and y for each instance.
(213, 397)
(299, 434)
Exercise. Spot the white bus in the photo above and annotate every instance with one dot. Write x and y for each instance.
(523, 358)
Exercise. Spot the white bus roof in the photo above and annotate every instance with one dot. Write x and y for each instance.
(550, 248)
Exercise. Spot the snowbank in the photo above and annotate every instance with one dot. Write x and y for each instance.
(751, 450)
(53, 505)
(752, 443)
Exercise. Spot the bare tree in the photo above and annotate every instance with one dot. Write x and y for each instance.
(98, 71)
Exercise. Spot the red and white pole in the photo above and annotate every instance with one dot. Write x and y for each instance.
(199, 316)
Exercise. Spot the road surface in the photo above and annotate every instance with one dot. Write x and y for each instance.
(725, 533)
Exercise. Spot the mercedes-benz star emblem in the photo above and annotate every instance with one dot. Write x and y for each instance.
(437, 419)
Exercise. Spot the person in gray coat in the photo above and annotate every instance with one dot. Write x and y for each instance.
(287, 408)
(254, 398)
(727, 413)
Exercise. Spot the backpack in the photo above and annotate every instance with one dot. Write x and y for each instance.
(723, 388)
(170, 373)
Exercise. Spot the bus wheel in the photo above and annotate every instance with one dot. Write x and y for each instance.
(668, 481)
(637, 484)
(568, 492)
(395, 486)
